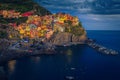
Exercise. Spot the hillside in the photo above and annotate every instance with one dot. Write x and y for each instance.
(21, 19)
(20, 6)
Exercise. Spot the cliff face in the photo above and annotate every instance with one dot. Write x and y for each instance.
(66, 38)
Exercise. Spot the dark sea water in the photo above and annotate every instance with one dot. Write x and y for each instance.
(80, 62)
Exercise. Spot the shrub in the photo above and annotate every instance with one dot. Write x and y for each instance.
(3, 34)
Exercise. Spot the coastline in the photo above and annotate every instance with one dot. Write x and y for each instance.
(10, 54)
(14, 54)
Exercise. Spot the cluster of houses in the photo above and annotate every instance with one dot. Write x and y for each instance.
(10, 14)
(15, 14)
(40, 26)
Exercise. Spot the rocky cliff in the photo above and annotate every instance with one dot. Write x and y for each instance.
(67, 38)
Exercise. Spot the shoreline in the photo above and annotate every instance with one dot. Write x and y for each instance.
(11, 54)
(14, 54)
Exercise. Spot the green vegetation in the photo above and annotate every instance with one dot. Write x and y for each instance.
(23, 6)
(76, 30)
(13, 20)
(3, 34)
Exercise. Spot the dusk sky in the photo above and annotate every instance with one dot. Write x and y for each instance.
(94, 14)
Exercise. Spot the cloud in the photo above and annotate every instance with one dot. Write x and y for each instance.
(102, 18)
(116, 0)
(83, 6)
(100, 22)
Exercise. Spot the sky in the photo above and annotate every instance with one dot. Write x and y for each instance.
(94, 14)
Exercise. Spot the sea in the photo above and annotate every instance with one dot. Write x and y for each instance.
(79, 62)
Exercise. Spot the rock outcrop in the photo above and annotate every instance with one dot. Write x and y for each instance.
(4, 43)
(66, 38)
